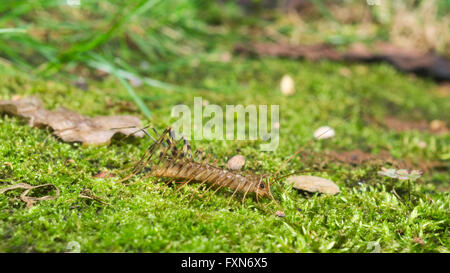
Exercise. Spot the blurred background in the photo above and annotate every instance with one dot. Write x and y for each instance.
(142, 57)
(77, 37)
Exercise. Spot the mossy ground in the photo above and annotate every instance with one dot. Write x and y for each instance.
(139, 218)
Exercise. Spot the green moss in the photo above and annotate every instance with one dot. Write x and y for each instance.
(141, 219)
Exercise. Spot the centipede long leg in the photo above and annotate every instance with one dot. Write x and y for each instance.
(245, 194)
(211, 177)
(237, 188)
(192, 178)
(166, 159)
(220, 187)
(213, 184)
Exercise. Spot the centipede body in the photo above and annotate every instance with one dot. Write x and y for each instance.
(163, 159)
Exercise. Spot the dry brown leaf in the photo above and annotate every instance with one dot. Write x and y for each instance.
(30, 200)
(71, 126)
(313, 184)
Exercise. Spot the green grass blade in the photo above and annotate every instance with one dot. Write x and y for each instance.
(104, 65)
(12, 30)
(135, 96)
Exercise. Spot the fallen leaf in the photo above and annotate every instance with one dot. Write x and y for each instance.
(71, 126)
(401, 174)
(30, 200)
(313, 184)
(438, 126)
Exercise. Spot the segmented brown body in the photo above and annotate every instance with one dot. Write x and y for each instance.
(212, 175)
(164, 159)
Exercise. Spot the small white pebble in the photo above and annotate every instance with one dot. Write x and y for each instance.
(236, 162)
(287, 85)
(280, 213)
(225, 57)
(324, 132)
(437, 125)
(422, 144)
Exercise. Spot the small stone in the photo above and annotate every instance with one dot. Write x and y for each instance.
(71, 161)
(418, 240)
(313, 184)
(422, 144)
(81, 83)
(437, 125)
(236, 162)
(324, 132)
(104, 174)
(287, 85)
(280, 213)
(226, 57)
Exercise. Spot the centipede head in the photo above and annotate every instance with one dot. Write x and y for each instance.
(262, 188)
